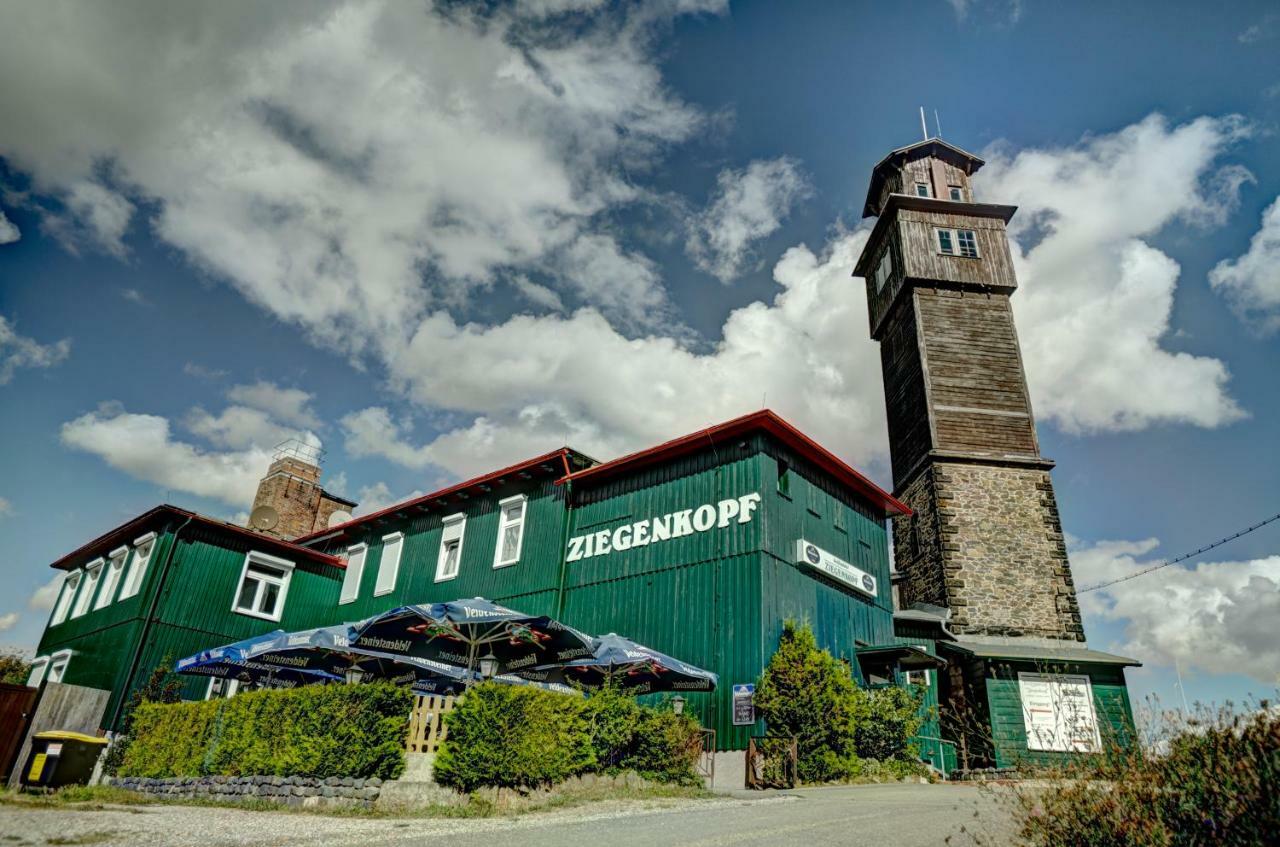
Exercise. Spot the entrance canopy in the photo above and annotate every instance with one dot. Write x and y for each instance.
(1036, 653)
(880, 661)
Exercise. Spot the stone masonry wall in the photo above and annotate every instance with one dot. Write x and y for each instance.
(286, 790)
(986, 541)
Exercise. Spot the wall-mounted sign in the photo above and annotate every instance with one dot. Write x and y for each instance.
(674, 525)
(1057, 710)
(814, 558)
(744, 705)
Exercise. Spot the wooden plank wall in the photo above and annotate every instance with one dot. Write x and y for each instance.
(906, 403)
(921, 259)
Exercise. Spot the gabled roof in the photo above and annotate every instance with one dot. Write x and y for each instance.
(935, 147)
(762, 421)
(556, 463)
(127, 532)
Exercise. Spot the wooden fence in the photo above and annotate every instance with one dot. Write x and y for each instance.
(426, 723)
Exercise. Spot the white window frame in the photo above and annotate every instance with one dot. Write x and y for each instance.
(254, 557)
(389, 563)
(138, 562)
(503, 524)
(67, 596)
(458, 520)
(116, 560)
(88, 586)
(884, 269)
(926, 683)
(954, 235)
(955, 189)
(355, 572)
(229, 690)
(928, 192)
(58, 666)
(39, 667)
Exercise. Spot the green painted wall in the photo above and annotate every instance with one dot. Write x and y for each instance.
(929, 740)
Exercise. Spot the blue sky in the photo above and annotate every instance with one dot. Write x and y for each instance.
(440, 239)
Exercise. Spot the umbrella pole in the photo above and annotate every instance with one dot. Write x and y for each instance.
(472, 649)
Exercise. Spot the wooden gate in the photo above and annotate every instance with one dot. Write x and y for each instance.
(426, 723)
(17, 703)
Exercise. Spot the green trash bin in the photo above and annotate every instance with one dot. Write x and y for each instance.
(59, 757)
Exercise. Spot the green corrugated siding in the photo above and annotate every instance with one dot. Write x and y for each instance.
(928, 739)
(1008, 731)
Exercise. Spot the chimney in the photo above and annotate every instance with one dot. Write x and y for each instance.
(290, 501)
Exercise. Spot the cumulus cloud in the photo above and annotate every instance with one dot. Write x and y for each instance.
(43, 598)
(143, 447)
(239, 427)
(9, 231)
(288, 405)
(19, 351)
(1095, 299)
(1251, 283)
(6, 508)
(747, 205)
(7, 621)
(373, 498)
(1218, 617)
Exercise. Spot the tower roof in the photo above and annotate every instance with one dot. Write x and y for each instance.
(935, 147)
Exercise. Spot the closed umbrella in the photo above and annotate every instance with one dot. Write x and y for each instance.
(632, 667)
(460, 632)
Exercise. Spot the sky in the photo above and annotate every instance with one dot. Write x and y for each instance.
(439, 238)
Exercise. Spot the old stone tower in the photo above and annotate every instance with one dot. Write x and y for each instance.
(985, 540)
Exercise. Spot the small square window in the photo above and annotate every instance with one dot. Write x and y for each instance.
(450, 559)
(918, 678)
(955, 192)
(946, 242)
(968, 243)
(922, 189)
(264, 583)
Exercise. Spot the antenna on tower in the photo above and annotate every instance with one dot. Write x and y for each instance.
(924, 129)
(937, 123)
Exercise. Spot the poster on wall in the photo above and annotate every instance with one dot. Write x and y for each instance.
(744, 706)
(1057, 710)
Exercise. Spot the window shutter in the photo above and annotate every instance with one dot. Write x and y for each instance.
(389, 565)
(355, 569)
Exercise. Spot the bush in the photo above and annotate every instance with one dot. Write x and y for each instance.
(320, 731)
(518, 737)
(161, 687)
(887, 718)
(514, 736)
(808, 694)
(1219, 783)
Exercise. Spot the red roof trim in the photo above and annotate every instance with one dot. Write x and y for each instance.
(124, 531)
(767, 421)
(562, 453)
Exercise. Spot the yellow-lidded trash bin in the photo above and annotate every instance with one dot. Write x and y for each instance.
(59, 757)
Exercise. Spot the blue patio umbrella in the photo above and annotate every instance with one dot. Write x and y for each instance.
(231, 661)
(459, 632)
(631, 666)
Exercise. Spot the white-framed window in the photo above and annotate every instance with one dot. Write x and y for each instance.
(39, 667)
(920, 677)
(955, 192)
(92, 573)
(111, 580)
(451, 547)
(958, 242)
(58, 666)
(264, 583)
(885, 269)
(68, 594)
(922, 189)
(221, 687)
(510, 530)
(389, 564)
(355, 572)
(142, 549)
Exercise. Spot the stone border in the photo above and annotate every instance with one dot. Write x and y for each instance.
(285, 790)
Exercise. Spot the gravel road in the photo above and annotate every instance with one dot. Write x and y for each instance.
(889, 815)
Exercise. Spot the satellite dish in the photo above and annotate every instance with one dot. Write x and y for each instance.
(264, 518)
(338, 516)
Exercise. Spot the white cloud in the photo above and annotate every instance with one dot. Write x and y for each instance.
(9, 231)
(1218, 617)
(7, 621)
(1251, 283)
(1263, 30)
(1095, 298)
(142, 446)
(625, 287)
(538, 295)
(747, 206)
(43, 598)
(372, 432)
(6, 508)
(18, 351)
(373, 498)
(287, 405)
(239, 427)
(201, 372)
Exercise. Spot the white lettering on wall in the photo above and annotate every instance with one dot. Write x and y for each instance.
(654, 530)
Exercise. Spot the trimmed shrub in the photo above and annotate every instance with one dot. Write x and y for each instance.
(162, 686)
(318, 730)
(612, 718)
(808, 694)
(665, 747)
(886, 719)
(513, 736)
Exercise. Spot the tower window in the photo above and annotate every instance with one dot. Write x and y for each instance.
(922, 189)
(784, 478)
(958, 242)
(955, 192)
(885, 269)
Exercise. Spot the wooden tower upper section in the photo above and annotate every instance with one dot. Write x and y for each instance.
(939, 274)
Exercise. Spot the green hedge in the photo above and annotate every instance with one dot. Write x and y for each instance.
(518, 737)
(321, 731)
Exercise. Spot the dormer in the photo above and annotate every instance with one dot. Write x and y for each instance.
(930, 168)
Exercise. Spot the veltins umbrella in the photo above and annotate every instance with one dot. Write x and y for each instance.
(631, 666)
(230, 661)
(458, 632)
